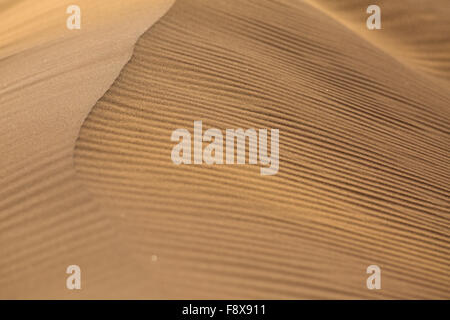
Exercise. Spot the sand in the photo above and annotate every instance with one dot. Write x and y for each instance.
(364, 152)
(50, 77)
(415, 32)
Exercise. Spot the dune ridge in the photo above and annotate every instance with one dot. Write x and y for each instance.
(363, 150)
(363, 158)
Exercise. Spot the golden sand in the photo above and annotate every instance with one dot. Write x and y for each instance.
(364, 153)
(50, 77)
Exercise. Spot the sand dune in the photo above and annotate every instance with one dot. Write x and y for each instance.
(364, 158)
(50, 77)
(364, 155)
(413, 31)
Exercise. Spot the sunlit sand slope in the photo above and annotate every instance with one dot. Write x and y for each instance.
(364, 159)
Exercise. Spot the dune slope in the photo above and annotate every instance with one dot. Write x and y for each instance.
(415, 32)
(50, 77)
(364, 159)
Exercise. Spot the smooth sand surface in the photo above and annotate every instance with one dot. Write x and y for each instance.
(415, 32)
(50, 77)
(364, 159)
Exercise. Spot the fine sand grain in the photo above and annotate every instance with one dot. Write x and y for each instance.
(364, 151)
(364, 174)
(50, 77)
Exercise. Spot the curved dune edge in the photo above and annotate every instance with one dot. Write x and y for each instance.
(415, 32)
(363, 172)
(50, 77)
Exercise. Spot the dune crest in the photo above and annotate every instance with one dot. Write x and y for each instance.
(364, 156)
(363, 173)
(50, 77)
